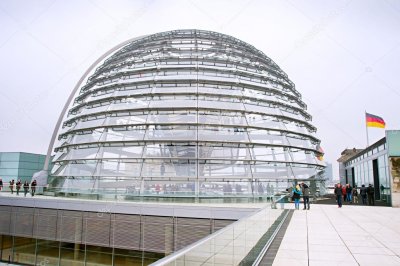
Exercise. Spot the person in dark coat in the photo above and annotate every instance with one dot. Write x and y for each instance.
(339, 194)
(371, 195)
(26, 188)
(33, 187)
(306, 196)
(12, 186)
(363, 193)
(349, 190)
(18, 186)
(1, 184)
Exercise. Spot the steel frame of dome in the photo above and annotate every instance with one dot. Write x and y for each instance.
(184, 112)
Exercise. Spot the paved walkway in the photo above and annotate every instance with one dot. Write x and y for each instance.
(352, 235)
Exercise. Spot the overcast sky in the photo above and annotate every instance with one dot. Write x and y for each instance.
(343, 56)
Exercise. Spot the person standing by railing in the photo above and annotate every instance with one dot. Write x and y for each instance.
(26, 188)
(296, 196)
(18, 186)
(33, 187)
(12, 186)
(306, 196)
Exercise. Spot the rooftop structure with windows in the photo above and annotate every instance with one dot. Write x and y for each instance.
(184, 112)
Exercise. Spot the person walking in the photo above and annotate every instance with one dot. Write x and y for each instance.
(296, 196)
(363, 193)
(354, 195)
(18, 186)
(371, 195)
(349, 190)
(26, 187)
(33, 187)
(344, 192)
(1, 184)
(306, 196)
(339, 194)
(12, 186)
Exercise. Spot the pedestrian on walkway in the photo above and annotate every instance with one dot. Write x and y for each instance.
(349, 190)
(12, 186)
(344, 192)
(26, 187)
(306, 196)
(1, 184)
(18, 186)
(339, 194)
(354, 194)
(363, 193)
(371, 195)
(33, 187)
(296, 197)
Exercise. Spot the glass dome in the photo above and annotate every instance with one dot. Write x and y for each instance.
(185, 112)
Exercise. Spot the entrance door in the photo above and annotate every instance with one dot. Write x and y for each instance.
(376, 179)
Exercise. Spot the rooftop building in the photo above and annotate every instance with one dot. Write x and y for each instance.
(184, 112)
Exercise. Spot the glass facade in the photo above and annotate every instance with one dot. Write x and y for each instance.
(371, 167)
(31, 251)
(19, 165)
(187, 112)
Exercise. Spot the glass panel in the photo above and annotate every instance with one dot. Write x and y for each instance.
(222, 118)
(167, 103)
(271, 170)
(230, 153)
(222, 169)
(170, 151)
(24, 250)
(80, 169)
(126, 120)
(124, 135)
(169, 168)
(267, 137)
(223, 134)
(118, 168)
(47, 252)
(90, 123)
(72, 254)
(173, 117)
(9, 156)
(171, 133)
(6, 248)
(122, 152)
(89, 153)
(98, 255)
(95, 136)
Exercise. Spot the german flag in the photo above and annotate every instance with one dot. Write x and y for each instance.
(320, 156)
(374, 121)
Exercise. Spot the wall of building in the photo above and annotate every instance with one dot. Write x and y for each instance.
(67, 236)
(393, 143)
(359, 170)
(19, 165)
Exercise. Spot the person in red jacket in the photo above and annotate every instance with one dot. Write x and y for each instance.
(344, 193)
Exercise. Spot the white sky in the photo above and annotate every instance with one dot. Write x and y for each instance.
(343, 56)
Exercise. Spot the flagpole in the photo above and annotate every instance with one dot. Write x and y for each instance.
(366, 128)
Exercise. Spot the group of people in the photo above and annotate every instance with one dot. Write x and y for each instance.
(18, 185)
(347, 193)
(298, 191)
